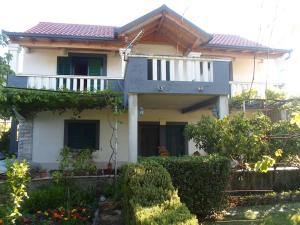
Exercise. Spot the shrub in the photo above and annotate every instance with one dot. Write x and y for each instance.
(55, 196)
(17, 180)
(200, 180)
(149, 197)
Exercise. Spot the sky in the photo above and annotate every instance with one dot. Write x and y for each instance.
(275, 23)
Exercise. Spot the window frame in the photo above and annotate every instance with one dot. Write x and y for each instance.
(66, 132)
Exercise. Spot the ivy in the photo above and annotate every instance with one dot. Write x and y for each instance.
(29, 102)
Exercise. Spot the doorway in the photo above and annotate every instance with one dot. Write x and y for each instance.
(148, 138)
(176, 142)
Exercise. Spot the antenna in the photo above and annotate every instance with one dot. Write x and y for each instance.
(129, 46)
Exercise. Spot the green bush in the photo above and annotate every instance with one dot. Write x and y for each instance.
(201, 180)
(54, 196)
(149, 197)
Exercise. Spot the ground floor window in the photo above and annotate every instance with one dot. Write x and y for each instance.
(81, 134)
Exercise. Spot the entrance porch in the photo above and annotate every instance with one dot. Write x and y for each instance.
(157, 121)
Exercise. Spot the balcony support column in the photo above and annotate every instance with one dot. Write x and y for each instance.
(132, 127)
(223, 106)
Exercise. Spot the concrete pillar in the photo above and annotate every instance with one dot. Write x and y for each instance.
(223, 106)
(14, 50)
(132, 127)
(25, 139)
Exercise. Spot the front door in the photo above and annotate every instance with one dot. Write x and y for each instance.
(176, 141)
(148, 138)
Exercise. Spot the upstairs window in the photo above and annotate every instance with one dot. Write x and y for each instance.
(82, 64)
(82, 134)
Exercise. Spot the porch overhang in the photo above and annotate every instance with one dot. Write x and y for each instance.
(182, 102)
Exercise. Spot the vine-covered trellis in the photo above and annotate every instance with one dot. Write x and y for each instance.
(29, 102)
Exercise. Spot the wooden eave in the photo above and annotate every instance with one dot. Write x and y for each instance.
(67, 43)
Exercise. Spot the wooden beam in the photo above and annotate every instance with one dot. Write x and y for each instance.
(161, 22)
(200, 105)
(183, 25)
(70, 44)
(141, 25)
(195, 44)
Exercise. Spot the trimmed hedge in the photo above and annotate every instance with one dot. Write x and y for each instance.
(200, 180)
(149, 197)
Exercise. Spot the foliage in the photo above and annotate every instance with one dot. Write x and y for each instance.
(65, 159)
(4, 141)
(17, 180)
(150, 198)
(5, 69)
(205, 134)
(267, 198)
(238, 100)
(75, 161)
(54, 196)
(59, 216)
(200, 180)
(245, 139)
(28, 102)
(83, 162)
(273, 214)
(275, 95)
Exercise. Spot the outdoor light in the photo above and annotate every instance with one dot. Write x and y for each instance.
(141, 111)
(200, 89)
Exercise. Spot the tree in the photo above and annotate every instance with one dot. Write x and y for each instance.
(4, 61)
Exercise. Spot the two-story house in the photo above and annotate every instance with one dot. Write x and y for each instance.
(172, 73)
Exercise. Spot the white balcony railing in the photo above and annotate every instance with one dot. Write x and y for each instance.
(167, 68)
(237, 87)
(69, 82)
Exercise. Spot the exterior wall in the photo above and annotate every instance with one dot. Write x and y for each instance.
(44, 62)
(48, 133)
(48, 136)
(151, 49)
(264, 70)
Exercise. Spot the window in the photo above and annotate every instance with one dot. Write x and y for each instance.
(82, 64)
(82, 134)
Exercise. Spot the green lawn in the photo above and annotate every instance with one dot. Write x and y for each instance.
(279, 214)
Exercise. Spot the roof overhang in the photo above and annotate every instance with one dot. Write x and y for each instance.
(165, 24)
(259, 51)
(32, 40)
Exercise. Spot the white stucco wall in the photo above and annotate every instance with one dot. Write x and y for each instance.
(44, 62)
(265, 69)
(48, 132)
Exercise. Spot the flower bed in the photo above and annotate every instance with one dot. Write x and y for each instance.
(61, 216)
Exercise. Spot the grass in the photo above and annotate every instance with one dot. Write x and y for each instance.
(278, 214)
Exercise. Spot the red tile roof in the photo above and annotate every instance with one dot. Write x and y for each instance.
(72, 30)
(233, 40)
(82, 31)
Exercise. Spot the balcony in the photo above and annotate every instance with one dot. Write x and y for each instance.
(67, 82)
(178, 75)
(237, 87)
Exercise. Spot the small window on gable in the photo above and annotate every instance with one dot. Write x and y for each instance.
(81, 134)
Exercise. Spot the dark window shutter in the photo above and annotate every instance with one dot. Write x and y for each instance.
(82, 134)
(96, 67)
(63, 65)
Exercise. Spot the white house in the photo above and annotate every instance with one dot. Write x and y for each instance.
(171, 73)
